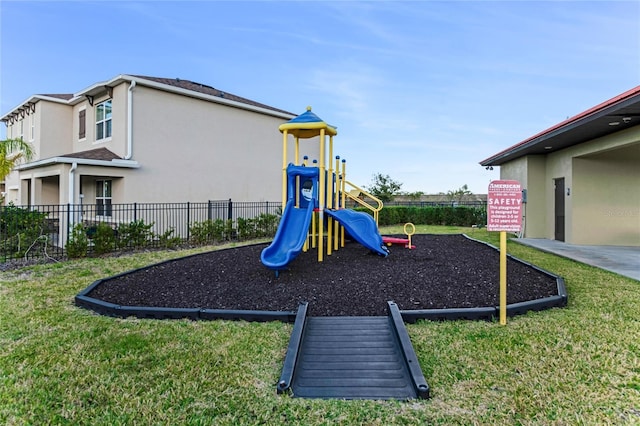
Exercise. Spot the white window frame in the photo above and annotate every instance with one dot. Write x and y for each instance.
(32, 127)
(104, 198)
(104, 123)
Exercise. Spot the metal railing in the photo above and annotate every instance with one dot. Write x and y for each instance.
(44, 230)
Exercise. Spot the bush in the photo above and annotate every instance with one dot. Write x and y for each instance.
(135, 234)
(78, 243)
(267, 224)
(263, 225)
(432, 215)
(104, 239)
(210, 231)
(21, 229)
(166, 240)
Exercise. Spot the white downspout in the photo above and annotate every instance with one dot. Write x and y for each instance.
(73, 219)
(72, 183)
(130, 121)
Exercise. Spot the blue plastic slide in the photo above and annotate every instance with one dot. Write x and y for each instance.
(290, 237)
(362, 227)
(294, 224)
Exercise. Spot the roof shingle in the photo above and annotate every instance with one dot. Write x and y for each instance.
(94, 154)
(208, 90)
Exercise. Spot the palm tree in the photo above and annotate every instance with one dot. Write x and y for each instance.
(11, 152)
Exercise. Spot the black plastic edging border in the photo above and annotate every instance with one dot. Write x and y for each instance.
(489, 313)
(286, 377)
(417, 378)
(409, 316)
(146, 312)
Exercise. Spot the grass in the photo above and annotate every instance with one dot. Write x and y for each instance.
(63, 365)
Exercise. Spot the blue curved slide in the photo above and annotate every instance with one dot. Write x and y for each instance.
(362, 227)
(290, 237)
(294, 224)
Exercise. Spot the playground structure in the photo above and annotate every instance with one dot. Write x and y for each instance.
(315, 196)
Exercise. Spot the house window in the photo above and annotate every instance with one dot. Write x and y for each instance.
(32, 129)
(82, 124)
(103, 120)
(103, 197)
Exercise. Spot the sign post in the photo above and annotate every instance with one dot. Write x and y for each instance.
(504, 214)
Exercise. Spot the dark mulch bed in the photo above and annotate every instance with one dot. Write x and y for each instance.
(443, 271)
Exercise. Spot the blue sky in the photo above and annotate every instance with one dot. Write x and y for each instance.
(419, 90)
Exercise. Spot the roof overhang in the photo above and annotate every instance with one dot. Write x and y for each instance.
(125, 164)
(28, 106)
(105, 86)
(614, 115)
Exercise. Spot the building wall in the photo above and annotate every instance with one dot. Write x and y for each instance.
(190, 149)
(606, 198)
(530, 172)
(53, 132)
(602, 177)
(51, 136)
(117, 143)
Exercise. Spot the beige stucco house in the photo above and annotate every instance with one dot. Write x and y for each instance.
(582, 176)
(145, 139)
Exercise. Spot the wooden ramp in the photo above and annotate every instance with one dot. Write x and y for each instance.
(352, 358)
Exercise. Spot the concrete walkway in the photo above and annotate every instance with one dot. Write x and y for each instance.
(621, 260)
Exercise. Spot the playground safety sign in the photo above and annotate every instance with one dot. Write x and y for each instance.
(504, 206)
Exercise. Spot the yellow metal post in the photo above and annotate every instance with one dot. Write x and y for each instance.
(284, 169)
(321, 197)
(343, 183)
(503, 277)
(336, 225)
(313, 230)
(330, 197)
(305, 248)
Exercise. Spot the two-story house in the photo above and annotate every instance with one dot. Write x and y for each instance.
(582, 176)
(145, 139)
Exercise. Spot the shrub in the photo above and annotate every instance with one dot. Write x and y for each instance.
(78, 242)
(266, 224)
(263, 225)
(432, 215)
(135, 234)
(166, 239)
(104, 239)
(246, 228)
(210, 231)
(21, 230)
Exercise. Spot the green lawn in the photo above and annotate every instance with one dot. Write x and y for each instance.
(63, 365)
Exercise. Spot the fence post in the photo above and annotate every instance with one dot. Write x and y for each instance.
(230, 210)
(209, 208)
(67, 233)
(188, 218)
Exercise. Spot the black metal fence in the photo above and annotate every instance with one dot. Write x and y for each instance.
(45, 230)
(78, 230)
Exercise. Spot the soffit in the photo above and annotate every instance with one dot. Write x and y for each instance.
(594, 123)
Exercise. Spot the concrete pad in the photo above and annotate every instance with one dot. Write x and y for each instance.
(621, 260)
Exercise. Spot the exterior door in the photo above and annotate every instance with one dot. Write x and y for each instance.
(559, 209)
